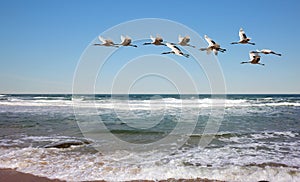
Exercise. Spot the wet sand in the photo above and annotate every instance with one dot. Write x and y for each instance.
(11, 175)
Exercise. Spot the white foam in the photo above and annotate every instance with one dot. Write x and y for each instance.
(276, 134)
(75, 166)
(36, 103)
(155, 104)
(41, 97)
(279, 104)
(268, 98)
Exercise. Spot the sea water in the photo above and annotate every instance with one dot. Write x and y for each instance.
(257, 137)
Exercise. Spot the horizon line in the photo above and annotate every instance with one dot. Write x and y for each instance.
(37, 93)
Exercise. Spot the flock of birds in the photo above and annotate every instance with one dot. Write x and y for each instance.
(184, 41)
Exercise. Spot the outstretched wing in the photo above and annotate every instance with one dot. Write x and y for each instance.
(174, 48)
(184, 40)
(253, 55)
(209, 41)
(123, 38)
(152, 38)
(180, 38)
(102, 39)
(266, 51)
(242, 34)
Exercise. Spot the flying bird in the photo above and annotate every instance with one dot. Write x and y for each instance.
(268, 51)
(126, 41)
(184, 41)
(175, 50)
(254, 58)
(212, 46)
(106, 42)
(243, 38)
(158, 40)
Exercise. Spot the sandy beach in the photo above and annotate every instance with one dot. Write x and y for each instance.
(11, 175)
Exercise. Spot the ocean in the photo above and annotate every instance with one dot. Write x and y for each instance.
(151, 137)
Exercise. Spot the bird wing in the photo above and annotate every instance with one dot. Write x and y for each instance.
(209, 41)
(266, 50)
(123, 38)
(255, 60)
(169, 45)
(102, 39)
(176, 49)
(152, 38)
(242, 34)
(180, 38)
(253, 55)
(173, 47)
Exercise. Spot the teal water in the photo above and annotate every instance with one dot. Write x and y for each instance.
(257, 137)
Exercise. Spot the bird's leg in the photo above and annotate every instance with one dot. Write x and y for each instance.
(186, 55)
(132, 45)
(191, 46)
(251, 43)
(222, 50)
(234, 42)
(167, 52)
(147, 43)
(245, 62)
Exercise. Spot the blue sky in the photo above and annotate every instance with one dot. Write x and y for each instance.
(42, 41)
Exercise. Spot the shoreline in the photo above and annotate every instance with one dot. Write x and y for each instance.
(12, 175)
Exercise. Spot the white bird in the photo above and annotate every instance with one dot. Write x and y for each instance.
(243, 38)
(268, 51)
(212, 46)
(184, 41)
(106, 42)
(158, 40)
(126, 41)
(254, 58)
(175, 50)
